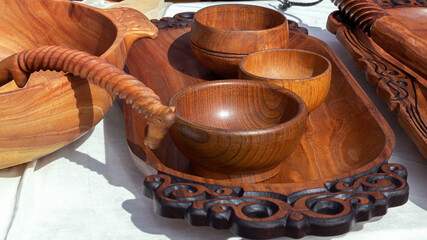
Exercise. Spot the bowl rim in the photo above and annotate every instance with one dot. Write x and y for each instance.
(299, 118)
(285, 20)
(115, 43)
(262, 78)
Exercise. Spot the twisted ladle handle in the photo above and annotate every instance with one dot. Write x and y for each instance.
(19, 66)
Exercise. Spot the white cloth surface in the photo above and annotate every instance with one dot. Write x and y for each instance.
(91, 189)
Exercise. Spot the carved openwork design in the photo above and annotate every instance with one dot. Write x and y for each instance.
(178, 21)
(327, 211)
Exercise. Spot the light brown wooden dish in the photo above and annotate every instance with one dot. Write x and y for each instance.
(397, 82)
(221, 35)
(55, 108)
(337, 175)
(306, 73)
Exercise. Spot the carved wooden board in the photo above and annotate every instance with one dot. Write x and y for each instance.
(338, 175)
(399, 86)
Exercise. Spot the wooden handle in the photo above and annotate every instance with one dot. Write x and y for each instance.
(389, 34)
(132, 23)
(104, 74)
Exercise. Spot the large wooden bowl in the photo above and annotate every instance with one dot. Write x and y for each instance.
(237, 127)
(306, 73)
(222, 35)
(55, 109)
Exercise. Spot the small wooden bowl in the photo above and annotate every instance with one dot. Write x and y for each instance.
(222, 35)
(306, 73)
(237, 127)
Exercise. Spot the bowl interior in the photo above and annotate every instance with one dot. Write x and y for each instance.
(237, 105)
(239, 17)
(285, 64)
(29, 24)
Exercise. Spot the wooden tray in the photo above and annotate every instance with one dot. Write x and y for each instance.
(399, 86)
(338, 175)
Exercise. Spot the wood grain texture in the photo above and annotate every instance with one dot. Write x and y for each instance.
(340, 160)
(19, 66)
(222, 34)
(388, 33)
(306, 73)
(346, 119)
(235, 127)
(54, 109)
(399, 86)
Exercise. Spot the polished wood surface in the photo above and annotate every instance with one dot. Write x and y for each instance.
(397, 84)
(399, 41)
(54, 108)
(222, 34)
(306, 73)
(19, 66)
(339, 160)
(229, 128)
(344, 135)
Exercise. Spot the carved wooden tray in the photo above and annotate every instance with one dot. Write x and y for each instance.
(399, 86)
(338, 175)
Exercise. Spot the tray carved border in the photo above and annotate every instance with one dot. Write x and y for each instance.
(327, 211)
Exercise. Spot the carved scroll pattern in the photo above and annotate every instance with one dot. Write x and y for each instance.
(327, 211)
(178, 21)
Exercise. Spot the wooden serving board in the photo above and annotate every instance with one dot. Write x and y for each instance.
(399, 86)
(338, 175)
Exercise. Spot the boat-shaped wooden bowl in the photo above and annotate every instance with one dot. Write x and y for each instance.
(338, 174)
(396, 81)
(56, 108)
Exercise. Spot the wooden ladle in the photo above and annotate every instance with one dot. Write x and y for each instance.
(19, 66)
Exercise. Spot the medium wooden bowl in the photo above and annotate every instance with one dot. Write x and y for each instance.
(55, 108)
(306, 73)
(221, 35)
(237, 127)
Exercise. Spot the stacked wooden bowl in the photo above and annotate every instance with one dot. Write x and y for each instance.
(222, 35)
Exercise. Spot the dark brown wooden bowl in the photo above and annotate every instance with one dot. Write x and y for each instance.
(221, 33)
(237, 127)
(306, 73)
